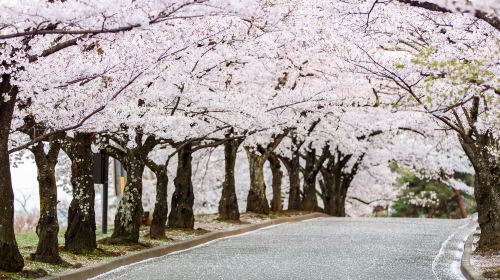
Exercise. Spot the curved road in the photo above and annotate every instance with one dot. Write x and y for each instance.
(325, 248)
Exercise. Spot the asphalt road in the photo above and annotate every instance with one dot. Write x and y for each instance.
(326, 248)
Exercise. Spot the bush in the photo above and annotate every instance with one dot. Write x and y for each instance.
(424, 197)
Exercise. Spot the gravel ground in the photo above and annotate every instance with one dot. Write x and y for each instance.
(326, 248)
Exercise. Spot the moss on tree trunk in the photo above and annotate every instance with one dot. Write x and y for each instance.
(47, 228)
(181, 214)
(80, 236)
(256, 200)
(129, 215)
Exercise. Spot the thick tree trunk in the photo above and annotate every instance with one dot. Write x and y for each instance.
(293, 169)
(294, 177)
(80, 236)
(256, 200)
(334, 193)
(310, 201)
(487, 193)
(486, 190)
(228, 204)
(129, 215)
(10, 258)
(181, 214)
(336, 182)
(47, 228)
(276, 204)
(157, 229)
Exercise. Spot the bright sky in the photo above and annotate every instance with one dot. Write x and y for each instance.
(24, 183)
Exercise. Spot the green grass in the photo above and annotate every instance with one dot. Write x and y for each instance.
(27, 242)
(27, 239)
(30, 239)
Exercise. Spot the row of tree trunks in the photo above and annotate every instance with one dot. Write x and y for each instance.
(336, 181)
(310, 172)
(228, 204)
(47, 228)
(10, 257)
(256, 200)
(80, 236)
(181, 214)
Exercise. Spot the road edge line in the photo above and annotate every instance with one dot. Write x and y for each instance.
(101, 268)
(465, 266)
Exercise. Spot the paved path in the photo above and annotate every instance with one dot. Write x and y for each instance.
(326, 248)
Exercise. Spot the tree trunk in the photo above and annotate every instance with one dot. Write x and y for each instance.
(129, 215)
(256, 200)
(276, 204)
(337, 181)
(292, 166)
(10, 258)
(47, 228)
(294, 177)
(334, 193)
(228, 204)
(181, 215)
(486, 190)
(80, 236)
(157, 229)
(460, 202)
(310, 201)
(487, 193)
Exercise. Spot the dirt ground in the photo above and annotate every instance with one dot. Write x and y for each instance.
(487, 263)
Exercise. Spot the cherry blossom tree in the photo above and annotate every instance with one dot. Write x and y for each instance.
(447, 67)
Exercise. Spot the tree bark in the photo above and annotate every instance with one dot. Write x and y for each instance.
(256, 200)
(157, 229)
(336, 182)
(310, 201)
(276, 204)
(293, 169)
(128, 218)
(80, 236)
(486, 189)
(460, 202)
(334, 193)
(228, 204)
(47, 228)
(129, 215)
(10, 258)
(181, 214)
